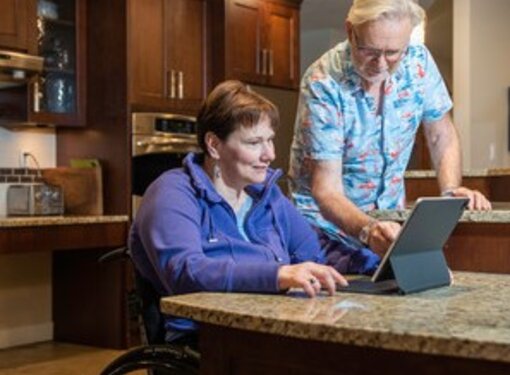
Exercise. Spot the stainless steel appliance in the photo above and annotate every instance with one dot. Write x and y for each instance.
(159, 142)
(34, 200)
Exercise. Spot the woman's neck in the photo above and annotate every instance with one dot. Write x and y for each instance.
(235, 196)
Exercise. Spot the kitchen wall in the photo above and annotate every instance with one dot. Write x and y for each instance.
(25, 279)
(322, 27)
(481, 80)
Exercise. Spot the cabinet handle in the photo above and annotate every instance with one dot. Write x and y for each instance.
(172, 84)
(180, 86)
(271, 67)
(37, 97)
(264, 62)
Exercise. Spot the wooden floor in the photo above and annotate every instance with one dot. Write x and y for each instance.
(55, 359)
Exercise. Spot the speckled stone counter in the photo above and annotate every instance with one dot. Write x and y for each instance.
(500, 214)
(49, 233)
(31, 221)
(468, 320)
(425, 173)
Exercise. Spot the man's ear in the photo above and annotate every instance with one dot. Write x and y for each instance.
(212, 142)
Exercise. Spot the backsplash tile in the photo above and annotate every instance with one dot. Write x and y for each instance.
(19, 175)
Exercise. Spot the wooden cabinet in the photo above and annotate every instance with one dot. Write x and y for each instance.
(58, 96)
(259, 41)
(17, 25)
(167, 59)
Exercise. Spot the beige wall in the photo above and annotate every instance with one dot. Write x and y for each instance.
(482, 78)
(25, 299)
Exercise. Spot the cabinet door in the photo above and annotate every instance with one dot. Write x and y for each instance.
(59, 96)
(147, 81)
(282, 41)
(185, 48)
(17, 25)
(244, 25)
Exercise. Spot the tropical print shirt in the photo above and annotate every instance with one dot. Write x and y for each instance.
(338, 120)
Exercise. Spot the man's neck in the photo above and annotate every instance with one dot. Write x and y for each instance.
(375, 90)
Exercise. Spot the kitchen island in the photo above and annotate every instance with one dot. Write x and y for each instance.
(463, 329)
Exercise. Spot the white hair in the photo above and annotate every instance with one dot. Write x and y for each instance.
(371, 10)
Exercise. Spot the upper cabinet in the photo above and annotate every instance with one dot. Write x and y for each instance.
(257, 41)
(58, 97)
(167, 54)
(17, 25)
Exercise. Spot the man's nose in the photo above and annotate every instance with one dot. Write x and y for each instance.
(381, 60)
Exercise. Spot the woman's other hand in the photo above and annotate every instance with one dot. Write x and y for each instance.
(312, 277)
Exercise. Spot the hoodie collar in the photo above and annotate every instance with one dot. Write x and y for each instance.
(203, 185)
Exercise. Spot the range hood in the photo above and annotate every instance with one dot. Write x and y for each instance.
(17, 68)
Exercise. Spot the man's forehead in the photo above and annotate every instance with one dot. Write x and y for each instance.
(385, 30)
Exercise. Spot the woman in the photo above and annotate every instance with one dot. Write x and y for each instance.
(221, 223)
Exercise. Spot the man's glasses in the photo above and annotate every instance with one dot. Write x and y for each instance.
(390, 55)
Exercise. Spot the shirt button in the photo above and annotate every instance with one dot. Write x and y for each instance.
(279, 259)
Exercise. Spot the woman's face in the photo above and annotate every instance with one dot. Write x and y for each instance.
(246, 154)
(379, 46)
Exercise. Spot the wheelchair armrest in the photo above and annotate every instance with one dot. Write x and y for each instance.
(121, 253)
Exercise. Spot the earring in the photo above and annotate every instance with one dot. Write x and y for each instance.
(216, 171)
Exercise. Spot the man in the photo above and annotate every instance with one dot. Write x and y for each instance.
(360, 106)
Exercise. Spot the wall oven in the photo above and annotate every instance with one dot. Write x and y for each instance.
(159, 142)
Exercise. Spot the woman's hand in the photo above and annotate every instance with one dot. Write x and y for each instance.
(311, 277)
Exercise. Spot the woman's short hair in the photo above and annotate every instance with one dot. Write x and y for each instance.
(229, 106)
(371, 10)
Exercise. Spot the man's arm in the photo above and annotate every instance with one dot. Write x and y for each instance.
(327, 190)
(444, 146)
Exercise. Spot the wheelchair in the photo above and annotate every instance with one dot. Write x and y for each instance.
(155, 355)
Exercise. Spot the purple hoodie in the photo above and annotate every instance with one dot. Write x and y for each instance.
(185, 238)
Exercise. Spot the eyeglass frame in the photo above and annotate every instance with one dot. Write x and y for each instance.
(392, 56)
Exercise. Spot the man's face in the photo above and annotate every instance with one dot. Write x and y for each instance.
(379, 46)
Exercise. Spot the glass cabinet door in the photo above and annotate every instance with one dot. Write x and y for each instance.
(58, 93)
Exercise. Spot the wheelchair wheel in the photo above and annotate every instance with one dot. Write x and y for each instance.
(157, 359)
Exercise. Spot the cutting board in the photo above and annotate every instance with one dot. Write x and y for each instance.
(82, 187)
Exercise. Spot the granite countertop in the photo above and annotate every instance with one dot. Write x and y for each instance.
(469, 319)
(499, 214)
(426, 173)
(31, 221)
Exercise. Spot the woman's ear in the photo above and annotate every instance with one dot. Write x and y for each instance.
(212, 142)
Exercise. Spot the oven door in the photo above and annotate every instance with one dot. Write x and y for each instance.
(153, 155)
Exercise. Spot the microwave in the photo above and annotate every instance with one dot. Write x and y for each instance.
(34, 200)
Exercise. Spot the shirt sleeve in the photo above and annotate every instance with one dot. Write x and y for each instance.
(319, 121)
(168, 231)
(303, 244)
(436, 99)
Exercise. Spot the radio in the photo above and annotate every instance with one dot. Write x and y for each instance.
(34, 200)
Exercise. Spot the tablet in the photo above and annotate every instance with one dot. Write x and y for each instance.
(415, 261)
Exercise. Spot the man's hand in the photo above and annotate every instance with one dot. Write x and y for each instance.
(477, 200)
(312, 277)
(381, 236)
